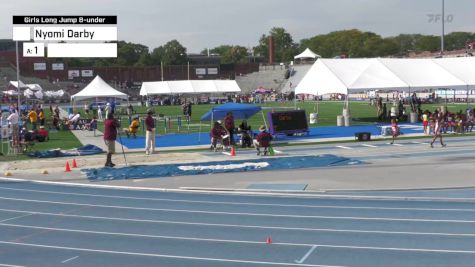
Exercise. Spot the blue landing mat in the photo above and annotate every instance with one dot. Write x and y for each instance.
(167, 170)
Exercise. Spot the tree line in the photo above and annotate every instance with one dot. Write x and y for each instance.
(349, 43)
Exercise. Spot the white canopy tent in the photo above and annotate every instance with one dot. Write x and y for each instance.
(98, 88)
(422, 73)
(188, 86)
(307, 53)
(342, 75)
(462, 67)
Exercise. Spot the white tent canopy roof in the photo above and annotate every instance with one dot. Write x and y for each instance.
(377, 75)
(189, 87)
(462, 67)
(34, 87)
(340, 75)
(98, 88)
(307, 53)
(422, 73)
(15, 84)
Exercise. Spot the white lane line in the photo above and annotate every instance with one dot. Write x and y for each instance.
(164, 255)
(366, 145)
(234, 192)
(239, 213)
(264, 227)
(421, 143)
(70, 259)
(344, 147)
(17, 217)
(394, 144)
(232, 203)
(244, 261)
(306, 255)
(9, 265)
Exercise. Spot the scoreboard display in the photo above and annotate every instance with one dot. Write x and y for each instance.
(288, 122)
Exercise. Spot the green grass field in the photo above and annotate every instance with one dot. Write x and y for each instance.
(361, 112)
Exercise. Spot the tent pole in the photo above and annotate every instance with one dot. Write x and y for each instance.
(467, 96)
(295, 101)
(199, 134)
(264, 119)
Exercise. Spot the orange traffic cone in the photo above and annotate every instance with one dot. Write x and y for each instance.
(75, 164)
(233, 152)
(68, 169)
(269, 240)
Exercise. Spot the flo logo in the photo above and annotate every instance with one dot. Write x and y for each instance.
(436, 18)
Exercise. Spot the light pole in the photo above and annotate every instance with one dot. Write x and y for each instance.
(161, 69)
(443, 30)
(18, 77)
(188, 70)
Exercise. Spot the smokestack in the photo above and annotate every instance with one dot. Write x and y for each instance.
(271, 50)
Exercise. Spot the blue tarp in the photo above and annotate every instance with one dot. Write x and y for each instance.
(54, 153)
(240, 111)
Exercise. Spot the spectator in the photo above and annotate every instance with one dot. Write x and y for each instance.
(33, 117)
(107, 109)
(42, 117)
(245, 131)
(13, 124)
(133, 128)
(99, 112)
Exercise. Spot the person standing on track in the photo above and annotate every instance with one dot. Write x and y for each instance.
(150, 133)
(438, 120)
(394, 129)
(110, 135)
(229, 125)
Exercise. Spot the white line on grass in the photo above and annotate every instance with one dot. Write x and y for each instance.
(306, 255)
(162, 255)
(235, 213)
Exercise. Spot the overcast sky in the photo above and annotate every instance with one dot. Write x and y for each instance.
(198, 24)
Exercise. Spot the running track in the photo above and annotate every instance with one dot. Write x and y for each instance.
(50, 225)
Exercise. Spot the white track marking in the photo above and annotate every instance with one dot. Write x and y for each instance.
(233, 192)
(344, 147)
(243, 261)
(397, 144)
(366, 145)
(306, 255)
(243, 226)
(420, 143)
(236, 213)
(162, 255)
(232, 203)
(70, 259)
(17, 217)
(8, 265)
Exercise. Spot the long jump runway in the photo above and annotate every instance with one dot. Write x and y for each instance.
(49, 225)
